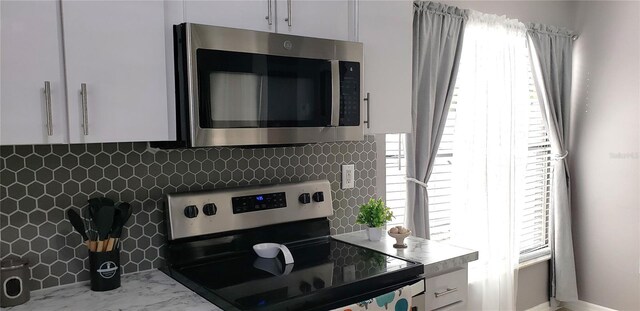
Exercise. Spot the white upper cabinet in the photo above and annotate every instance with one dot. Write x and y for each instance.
(31, 57)
(385, 29)
(115, 53)
(311, 18)
(315, 18)
(250, 14)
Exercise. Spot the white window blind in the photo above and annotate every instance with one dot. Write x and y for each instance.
(534, 206)
(534, 231)
(396, 186)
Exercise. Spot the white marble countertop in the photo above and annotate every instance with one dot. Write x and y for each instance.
(437, 257)
(148, 290)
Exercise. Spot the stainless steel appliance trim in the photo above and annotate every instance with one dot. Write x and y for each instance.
(247, 41)
(277, 136)
(85, 112)
(268, 17)
(269, 43)
(179, 226)
(335, 93)
(368, 120)
(288, 18)
(47, 107)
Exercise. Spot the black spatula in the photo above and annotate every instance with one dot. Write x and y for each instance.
(77, 223)
(122, 214)
(104, 222)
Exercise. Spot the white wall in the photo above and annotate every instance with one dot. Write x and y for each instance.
(557, 13)
(604, 153)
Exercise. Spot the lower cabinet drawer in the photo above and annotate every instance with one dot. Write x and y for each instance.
(446, 290)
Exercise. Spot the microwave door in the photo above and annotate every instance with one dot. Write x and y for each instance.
(237, 99)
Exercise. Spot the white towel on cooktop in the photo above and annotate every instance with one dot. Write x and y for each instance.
(399, 300)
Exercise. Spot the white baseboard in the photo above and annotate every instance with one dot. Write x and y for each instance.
(573, 306)
(541, 307)
(584, 306)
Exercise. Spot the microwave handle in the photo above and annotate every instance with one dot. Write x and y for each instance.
(335, 93)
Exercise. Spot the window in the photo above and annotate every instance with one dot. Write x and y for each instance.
(534, 239)
(396, 186)
(534, 235)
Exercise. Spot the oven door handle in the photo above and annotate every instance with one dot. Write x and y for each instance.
(335, 93)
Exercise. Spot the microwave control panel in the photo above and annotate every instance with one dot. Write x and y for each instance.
(349, 93)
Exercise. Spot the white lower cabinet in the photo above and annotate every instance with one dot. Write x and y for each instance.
(447, 291)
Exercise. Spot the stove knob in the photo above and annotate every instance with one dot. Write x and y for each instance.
(318, 283)
(304, 198)
(318, 196)
(191, 211)
(305, 287)
(209, 209)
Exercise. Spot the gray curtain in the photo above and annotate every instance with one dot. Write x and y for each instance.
(551, 50)
(437, 43)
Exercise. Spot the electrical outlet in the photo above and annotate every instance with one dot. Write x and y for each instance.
(348, 176)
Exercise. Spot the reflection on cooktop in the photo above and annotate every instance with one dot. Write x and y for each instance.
(249, 282)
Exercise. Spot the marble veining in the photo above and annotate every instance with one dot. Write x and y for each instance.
(435, 256)
(149, 290)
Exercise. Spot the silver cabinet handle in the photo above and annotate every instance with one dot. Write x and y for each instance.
(368, 100)
(268, 17)
(288, 19)
(446, 292)
(47, 107)
(85, 114)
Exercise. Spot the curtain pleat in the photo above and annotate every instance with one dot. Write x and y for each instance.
(551, 55)
(437, 44)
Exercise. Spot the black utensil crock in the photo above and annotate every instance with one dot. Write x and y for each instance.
(104, 270)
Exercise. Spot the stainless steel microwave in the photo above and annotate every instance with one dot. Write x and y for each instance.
(242, 87)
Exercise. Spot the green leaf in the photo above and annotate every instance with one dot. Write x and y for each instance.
(374, 214)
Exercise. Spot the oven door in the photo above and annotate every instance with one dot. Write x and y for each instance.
(410, 297)
(254, 88)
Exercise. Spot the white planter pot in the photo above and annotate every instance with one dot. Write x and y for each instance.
(374, 234)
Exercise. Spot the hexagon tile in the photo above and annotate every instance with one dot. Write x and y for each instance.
(38, 183)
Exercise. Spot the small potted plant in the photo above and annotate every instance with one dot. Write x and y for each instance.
(374, 214)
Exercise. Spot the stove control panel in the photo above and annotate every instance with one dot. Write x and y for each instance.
(191, 214)
(259, 202)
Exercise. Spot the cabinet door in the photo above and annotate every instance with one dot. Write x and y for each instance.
(117, 50)
(30, 36)
(315, 18)
(385, 29)
(250, 14)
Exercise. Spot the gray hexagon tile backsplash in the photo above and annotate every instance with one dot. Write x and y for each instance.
(38, 183)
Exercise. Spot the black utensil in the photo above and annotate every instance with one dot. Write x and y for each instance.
(90, 228)
(122, 214)
(77, 223)
(104, 222)
(96, 203)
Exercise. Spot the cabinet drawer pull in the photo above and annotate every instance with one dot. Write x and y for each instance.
(85, 113)
(47, 107)
(446, 292)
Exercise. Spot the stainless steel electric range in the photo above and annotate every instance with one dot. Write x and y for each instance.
(210, 239)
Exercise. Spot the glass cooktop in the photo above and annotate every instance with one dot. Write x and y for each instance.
(325, 274)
